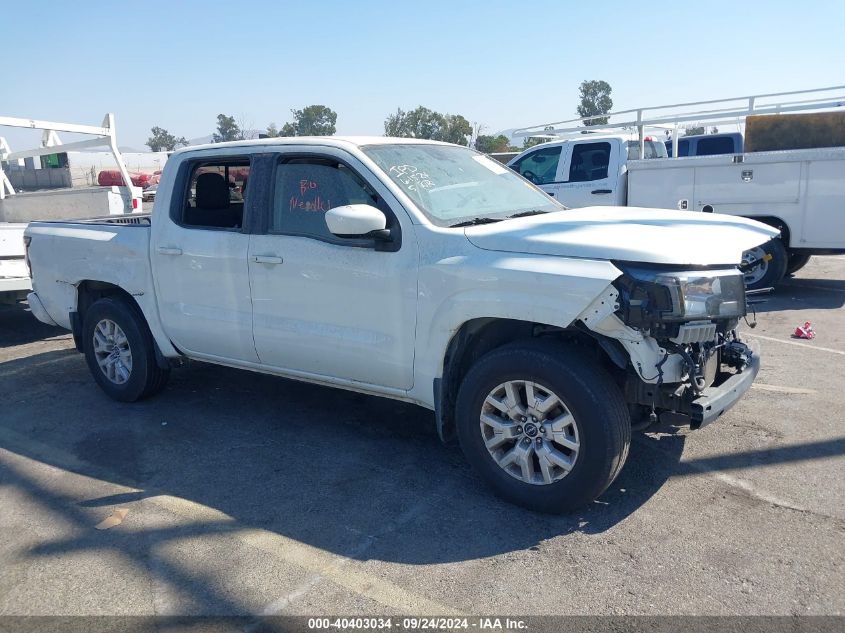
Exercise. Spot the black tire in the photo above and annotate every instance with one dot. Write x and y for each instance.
(593, 399)
(775, 268)
(146, 377)
(796, 262)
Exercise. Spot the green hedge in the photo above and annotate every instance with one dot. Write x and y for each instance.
(771, 132)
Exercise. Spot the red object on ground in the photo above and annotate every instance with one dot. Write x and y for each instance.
(804, 331)
(112, 178)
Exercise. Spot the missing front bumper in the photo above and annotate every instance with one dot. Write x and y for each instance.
(680, 405)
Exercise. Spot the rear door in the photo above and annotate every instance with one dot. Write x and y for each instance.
(199, 260)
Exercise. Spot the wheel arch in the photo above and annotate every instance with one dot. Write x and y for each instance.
(479, 336)
(777, 223)
(89, 292)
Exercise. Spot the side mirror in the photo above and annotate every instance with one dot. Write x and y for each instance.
(355, 220)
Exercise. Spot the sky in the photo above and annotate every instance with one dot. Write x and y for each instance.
(505, 64)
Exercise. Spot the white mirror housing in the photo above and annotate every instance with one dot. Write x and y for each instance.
(354, 220)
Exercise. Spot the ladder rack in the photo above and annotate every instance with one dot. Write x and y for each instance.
(671, 116)
(52, 144)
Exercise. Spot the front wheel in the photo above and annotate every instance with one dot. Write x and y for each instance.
(772, 264)
(543, 424)
(119, 351)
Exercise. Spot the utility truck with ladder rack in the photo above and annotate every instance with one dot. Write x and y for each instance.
(800, 192)
(18, 208)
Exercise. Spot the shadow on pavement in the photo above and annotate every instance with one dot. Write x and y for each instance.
(19, 326)
(353, 475)
(805, 294)
(322, 466)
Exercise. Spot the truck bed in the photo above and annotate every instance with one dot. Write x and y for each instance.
(110, 250)
(134, 219)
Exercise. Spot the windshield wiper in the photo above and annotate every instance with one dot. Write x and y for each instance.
(523, 214)
(475, 221)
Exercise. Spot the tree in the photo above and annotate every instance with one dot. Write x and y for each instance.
(425, 123)
(595, 100)
(489, 144)
(162, 140)
(455, 129)
(315, 120)
(692, 130)
(272, 131)
(227, 130)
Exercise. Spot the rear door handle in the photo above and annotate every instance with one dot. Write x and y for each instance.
(267, 259)
(169, 250)
(601, 191)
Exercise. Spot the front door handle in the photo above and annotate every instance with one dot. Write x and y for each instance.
(267, 259)
(169, 250)
(601, 191)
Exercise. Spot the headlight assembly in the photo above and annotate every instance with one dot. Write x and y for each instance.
(705, 294)
(650, 296)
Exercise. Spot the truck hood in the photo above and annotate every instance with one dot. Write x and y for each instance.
(655, 236)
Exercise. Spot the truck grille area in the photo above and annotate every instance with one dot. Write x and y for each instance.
(695, 333)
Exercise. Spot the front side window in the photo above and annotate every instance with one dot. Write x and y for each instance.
(589, 162)
(305, 188)
(540, 166)
(215, 195)
(451, 184)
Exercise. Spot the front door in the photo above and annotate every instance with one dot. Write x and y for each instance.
(329, 306)
(588, 177)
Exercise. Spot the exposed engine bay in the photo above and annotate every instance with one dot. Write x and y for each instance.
(679, 329)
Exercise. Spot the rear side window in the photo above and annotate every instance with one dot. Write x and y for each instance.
(589, 162)
(653, 149)
(215, 195)
(540, 166)
(717, 145)
(305, 188)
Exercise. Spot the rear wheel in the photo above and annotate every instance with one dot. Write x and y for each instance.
(796, 262)
(119, 351)
(545, 426)
(771, 268)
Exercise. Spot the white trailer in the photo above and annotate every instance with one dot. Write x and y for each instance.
(17, 209)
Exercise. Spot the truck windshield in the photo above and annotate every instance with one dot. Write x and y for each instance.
(452, 184)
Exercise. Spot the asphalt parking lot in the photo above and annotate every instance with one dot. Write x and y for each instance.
(248, 494)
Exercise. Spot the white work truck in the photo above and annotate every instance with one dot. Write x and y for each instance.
(799, 192)
(18, 208)
(14, 276)
(424, 272)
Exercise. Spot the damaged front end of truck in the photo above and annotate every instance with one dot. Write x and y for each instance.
(677, 327)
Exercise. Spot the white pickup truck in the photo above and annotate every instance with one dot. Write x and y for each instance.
(424, 272)
(799, 192)
(14, 276)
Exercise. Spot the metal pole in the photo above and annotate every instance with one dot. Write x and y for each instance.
(5, 183)
(108, 122)
(675, 142)
(640, 131)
